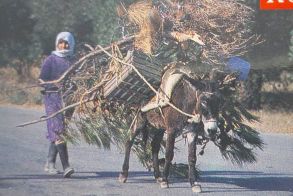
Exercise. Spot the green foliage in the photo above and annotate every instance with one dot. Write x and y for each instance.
(236, 140)
(238, 153)
(16, 33)
(92, 129)
(55, 16)
(102, 129)
(91, 21)
(28, 28)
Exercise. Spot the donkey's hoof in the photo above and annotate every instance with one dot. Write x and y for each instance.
(196, 188)
(122, 178)
(164, 185)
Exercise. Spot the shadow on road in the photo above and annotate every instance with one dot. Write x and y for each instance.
(244, 181)
(257, 181)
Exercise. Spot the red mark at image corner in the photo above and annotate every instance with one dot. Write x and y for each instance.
(276, 5)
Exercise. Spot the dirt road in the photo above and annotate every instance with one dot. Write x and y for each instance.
(23, 153)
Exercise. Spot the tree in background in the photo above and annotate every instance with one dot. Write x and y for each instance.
(28, 28)
(55, 16)
(91, 21)
(17, 46)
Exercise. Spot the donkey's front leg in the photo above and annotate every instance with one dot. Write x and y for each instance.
(139, 125)
(168, 157)
(191, 138)
(156, 144)
(125, 167)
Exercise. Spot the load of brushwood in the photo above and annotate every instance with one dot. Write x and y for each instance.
(155, 32)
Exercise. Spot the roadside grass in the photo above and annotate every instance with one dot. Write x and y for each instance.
(15, 90)
(272, 121)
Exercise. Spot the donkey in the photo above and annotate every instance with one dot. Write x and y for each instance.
(191, 96)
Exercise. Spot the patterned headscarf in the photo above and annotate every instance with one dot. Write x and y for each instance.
(70, 39)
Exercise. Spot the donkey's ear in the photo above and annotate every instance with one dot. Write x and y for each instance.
(198, 83)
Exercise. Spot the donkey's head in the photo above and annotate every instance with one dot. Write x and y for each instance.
(208, 106)
(208, 103)
(211, 100)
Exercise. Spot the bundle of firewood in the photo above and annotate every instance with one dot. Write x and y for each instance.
(222, 28)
